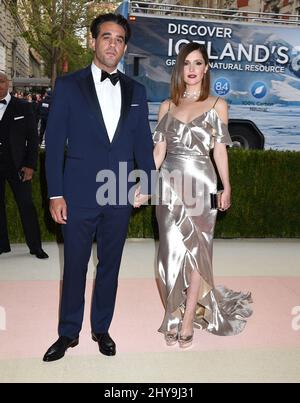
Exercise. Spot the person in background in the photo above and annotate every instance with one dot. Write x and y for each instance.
(44, 108)
(18, 159)
(35, 107)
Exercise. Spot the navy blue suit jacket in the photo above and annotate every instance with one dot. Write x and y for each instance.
(77, 143)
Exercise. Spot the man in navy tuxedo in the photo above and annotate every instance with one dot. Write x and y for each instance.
(98, 123)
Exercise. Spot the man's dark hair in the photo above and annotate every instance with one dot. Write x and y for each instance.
(110, 17)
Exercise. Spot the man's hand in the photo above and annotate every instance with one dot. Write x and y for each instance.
(58, 210)
(27, 174)
(139, 198)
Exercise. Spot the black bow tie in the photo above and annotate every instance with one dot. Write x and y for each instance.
(3, 101)
(114, 78)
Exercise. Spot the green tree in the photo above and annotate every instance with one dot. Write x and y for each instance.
(57, 30)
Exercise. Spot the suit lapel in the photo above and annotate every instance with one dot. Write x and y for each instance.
(86, 83)
(9, 112)
(87, 86)
(126, 96)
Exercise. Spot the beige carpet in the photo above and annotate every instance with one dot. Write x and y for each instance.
(267, 351)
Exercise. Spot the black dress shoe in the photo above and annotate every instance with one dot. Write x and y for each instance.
(58, 349)
(4, 250)
(40, 254)
(106, 344)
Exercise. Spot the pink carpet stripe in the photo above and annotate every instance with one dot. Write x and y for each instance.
(32, 309)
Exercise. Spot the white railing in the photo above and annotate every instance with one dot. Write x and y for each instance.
(173, 10)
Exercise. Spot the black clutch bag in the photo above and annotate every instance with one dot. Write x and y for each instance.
(215, 200)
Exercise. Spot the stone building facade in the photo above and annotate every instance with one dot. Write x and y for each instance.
(271, 6)
(291, 7)
(16, 57)
(268, 6)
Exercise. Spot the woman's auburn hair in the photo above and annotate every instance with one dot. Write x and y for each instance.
(177, 82)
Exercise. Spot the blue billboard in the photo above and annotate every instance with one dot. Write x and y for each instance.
(255, 67)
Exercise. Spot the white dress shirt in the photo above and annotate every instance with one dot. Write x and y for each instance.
(3, 107)
(109, 97)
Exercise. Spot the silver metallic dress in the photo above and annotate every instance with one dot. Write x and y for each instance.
(186, 226)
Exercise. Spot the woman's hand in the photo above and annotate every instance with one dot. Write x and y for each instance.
(225, 199)
(139, 198)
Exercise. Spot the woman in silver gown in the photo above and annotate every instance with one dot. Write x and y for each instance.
(191, 124)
